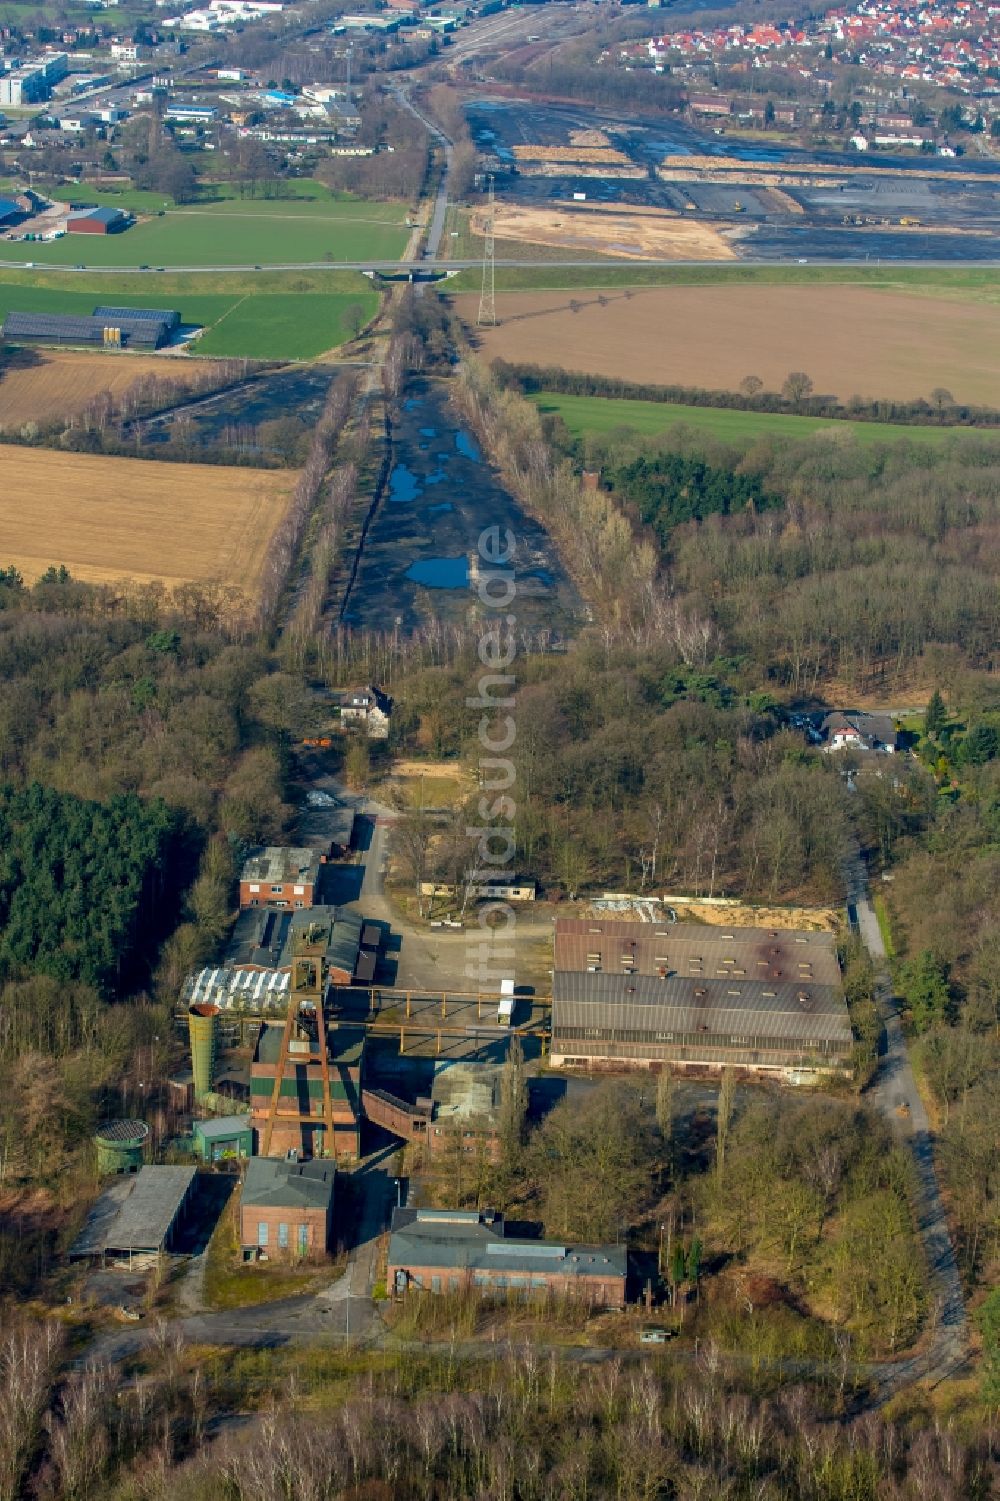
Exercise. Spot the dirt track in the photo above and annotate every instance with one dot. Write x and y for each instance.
(848, 339)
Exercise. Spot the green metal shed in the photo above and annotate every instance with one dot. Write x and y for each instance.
(225, 1136)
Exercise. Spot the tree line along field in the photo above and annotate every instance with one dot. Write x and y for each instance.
(875, 342)
(254, 317)
(106, 519)
(602, 414)
(233, 232)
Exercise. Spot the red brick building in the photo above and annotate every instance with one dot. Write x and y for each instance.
(445, 1250)
(286, 1209)
(280, 877)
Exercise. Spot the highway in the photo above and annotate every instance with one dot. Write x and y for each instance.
(437, 267)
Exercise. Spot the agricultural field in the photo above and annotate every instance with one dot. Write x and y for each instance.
(42, 385)
(232, 232)
(265, 316)
(601, 414)
(108, 518)
(873, 342)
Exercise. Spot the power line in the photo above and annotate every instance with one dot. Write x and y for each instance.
(488, 297)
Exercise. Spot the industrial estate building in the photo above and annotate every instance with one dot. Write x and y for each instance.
(286, 1208)
(445, 1250)
(33, 80)
(109, 327)
(139, 1215)
(258, 962)
(762, 1000)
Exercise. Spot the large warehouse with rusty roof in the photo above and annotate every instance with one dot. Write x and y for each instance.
(637, 994)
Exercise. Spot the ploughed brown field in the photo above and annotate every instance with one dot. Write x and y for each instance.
(876, 343)
(108, 518)
(44, 384)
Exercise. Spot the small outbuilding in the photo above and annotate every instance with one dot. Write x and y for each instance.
(224, 1137)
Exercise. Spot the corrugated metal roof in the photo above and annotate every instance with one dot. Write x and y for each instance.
(711, 953)
(475, 1244)
(222, 1127)
(135, 1213)
(664, 1010)
(169, 317)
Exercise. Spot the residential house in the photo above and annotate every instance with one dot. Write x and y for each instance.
(368, 709)
(857, 731)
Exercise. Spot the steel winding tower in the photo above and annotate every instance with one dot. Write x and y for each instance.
(487, 298)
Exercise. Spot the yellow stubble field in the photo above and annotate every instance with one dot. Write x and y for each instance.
(49, 384)
(109, 519)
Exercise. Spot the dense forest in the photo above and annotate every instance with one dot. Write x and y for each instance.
(83, 885)
(636, 771)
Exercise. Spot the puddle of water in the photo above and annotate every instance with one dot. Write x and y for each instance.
(466, 447)
(441, 505)
(440, 573)
(428, 432)
(411, 403)
(436, 477)
(403, 484)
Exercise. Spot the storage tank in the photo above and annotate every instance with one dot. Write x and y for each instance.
(121, 1146)
(203, 1029)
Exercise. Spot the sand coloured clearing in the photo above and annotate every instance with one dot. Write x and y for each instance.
(848, 339)
(606, 232)
(110, 518)
(608, 156)
(60, 384)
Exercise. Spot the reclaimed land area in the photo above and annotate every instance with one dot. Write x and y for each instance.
(108, 518)
(249, 315)
(849, 340)
(585, 415)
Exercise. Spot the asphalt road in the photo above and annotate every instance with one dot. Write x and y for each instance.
(895, 1093)
(430, 264)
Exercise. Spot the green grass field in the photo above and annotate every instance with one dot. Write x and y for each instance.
(269, 316)
(601, 414)
(965, 281)
(228, 232)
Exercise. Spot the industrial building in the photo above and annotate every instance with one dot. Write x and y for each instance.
(280, 877)
(223, 1137)
(266, 938)
(110, 328)
(465, 1109)
(766, 1001)
(139, 1215)
(95, 221)
(446, 1250)
(33, 80)
(286, 1208)
(121, 1146)
(305, 1077)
